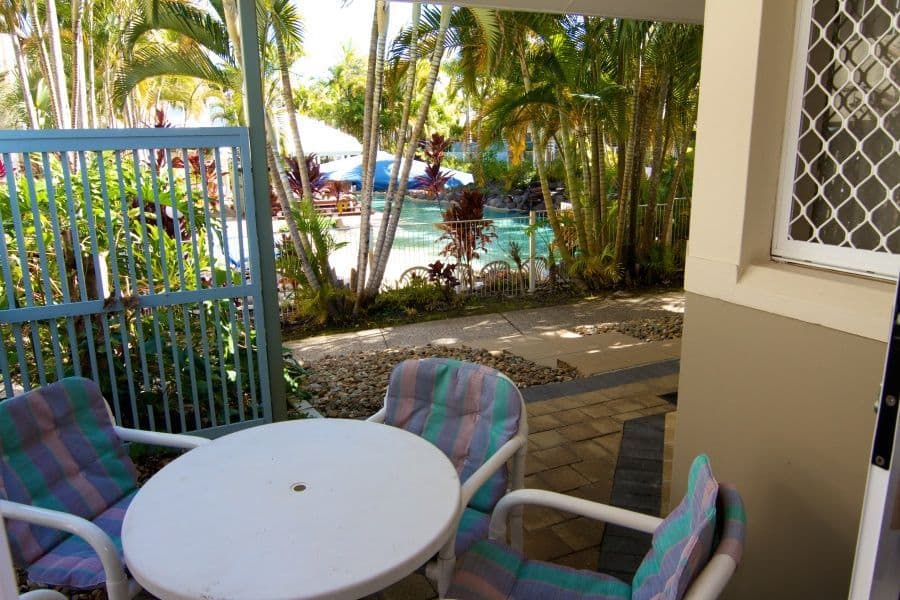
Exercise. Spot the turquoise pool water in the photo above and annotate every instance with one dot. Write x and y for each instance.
(417, 231)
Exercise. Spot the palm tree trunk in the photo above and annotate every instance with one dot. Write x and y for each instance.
(598, 174)
(673, 191)
(627, 178)
(574, 194)
(287, 96)
(58, 66)
(371, 118)
(404, 125)
(636, 174)
(230, 9)
(278, 182)
(46, 64)
(661, 141)
(602, 189)
(22, 69)
(590, 202)
(107, 97)
(540, 147)
(92, 70)
(79, 79)
(437, 56)
(593, 141)
(288, 99)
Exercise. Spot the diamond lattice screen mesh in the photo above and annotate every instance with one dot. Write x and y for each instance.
(845, 189)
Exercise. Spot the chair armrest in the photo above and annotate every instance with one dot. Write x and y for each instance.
(378, 417)
(711, 581)
(42, 595)
(156, 438)
(89, 532)
(578, 506)
(502, 456)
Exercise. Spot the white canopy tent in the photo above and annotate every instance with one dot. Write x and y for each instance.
(325, 141)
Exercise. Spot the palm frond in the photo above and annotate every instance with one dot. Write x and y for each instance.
(185, 20)
(153, 61)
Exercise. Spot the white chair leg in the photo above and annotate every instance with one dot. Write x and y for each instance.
(518, 482)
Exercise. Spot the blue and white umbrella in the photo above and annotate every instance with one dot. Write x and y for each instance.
(350, 170)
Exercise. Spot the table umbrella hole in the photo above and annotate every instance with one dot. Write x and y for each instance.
(298, 487)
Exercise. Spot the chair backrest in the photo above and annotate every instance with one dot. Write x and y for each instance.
(58, 450)
(683, 542)
(467, 410)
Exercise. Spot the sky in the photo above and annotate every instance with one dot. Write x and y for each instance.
(328, 27)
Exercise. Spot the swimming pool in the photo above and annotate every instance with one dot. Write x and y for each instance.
(417, 233)
(417, 241)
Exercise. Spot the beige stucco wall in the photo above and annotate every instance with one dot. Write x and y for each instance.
(784, 409)
(781, 363)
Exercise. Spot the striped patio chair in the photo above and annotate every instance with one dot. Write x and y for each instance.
(694, 552)
(476, 415)
(66, 481)
(9, 587)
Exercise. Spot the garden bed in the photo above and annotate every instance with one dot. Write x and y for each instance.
(352, 385)
(656, 329)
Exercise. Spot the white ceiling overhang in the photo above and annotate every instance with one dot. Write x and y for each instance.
(680, 11)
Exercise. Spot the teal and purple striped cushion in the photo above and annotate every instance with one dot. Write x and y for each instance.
(683, 543)
(490, 571)
(73, 563)
(473, 526)
(59, 451)
(469, 411)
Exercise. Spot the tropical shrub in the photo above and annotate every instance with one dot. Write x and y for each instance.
(317, 180)
(510, 177)
(444, 276)
(127, 230)
(417, 296)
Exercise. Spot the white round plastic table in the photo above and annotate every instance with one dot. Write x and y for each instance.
(318, 508)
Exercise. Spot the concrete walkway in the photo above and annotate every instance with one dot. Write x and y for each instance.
(543, 335)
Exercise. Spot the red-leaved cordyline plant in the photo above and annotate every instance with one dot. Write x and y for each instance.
(434, 180)
(196, 163)
(444, 277)
(160, 123)
(317, 180)
(466, 230)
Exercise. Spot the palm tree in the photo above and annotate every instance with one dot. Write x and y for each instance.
(57, 66)
(440, 24)
(579, 82)
(401, 142)
(12, 15)
(371, 130)
(205, 51)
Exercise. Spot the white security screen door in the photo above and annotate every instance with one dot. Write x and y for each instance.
(876, 572)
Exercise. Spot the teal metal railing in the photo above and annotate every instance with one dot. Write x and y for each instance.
(131, 257)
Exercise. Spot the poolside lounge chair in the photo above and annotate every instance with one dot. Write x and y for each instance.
(65, 482)
(695, 550)
(476, 415)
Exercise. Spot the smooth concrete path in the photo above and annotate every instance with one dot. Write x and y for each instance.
(543, 335)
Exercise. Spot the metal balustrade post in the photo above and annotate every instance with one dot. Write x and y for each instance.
(265, 241)
(532, 268)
